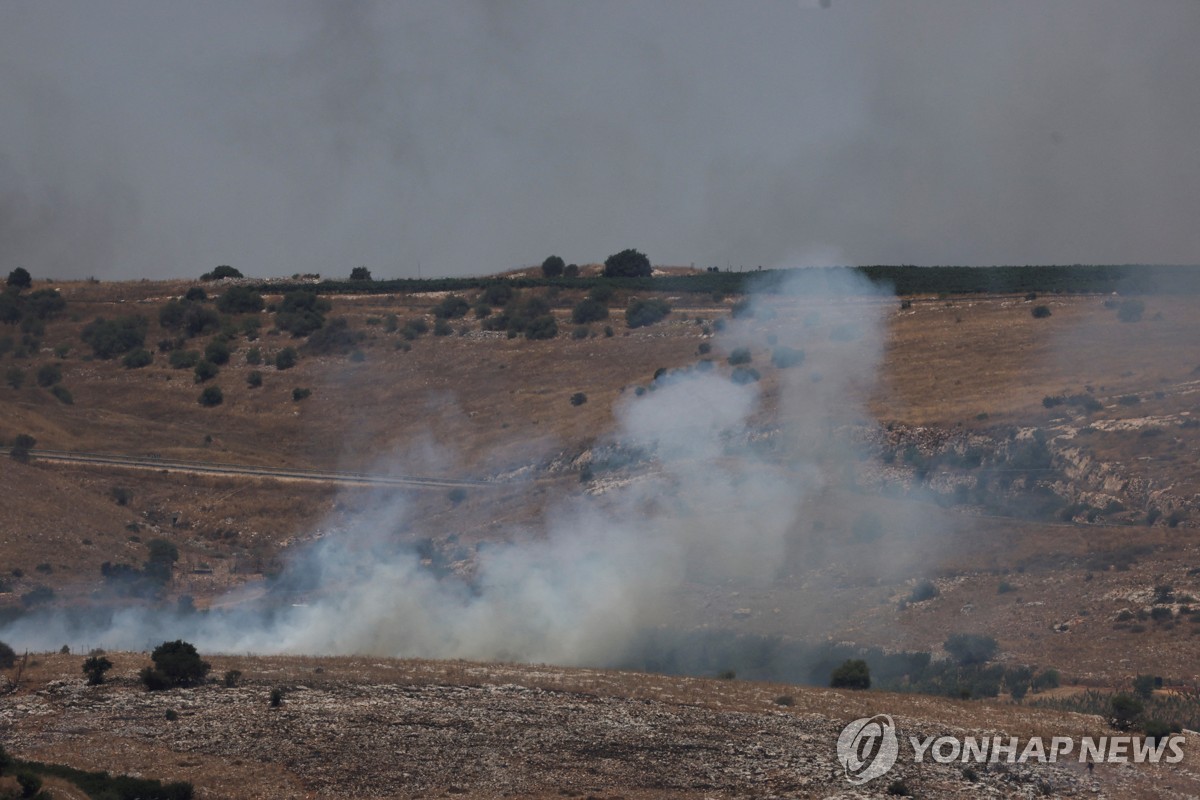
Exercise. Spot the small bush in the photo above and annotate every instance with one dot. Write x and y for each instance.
(8, 657)
(542, 327)
(285, 358)
(63, 394)
(744, 375)
(1040, 312)
(94, 668)
(442, 328)
(640, 313)
(137, 359)
(178, 664)
(740, 355)
(852, 674)
(971, 648)
(220, 273)
(254, 379)
(205, 371)
(211, 396)
(299, 394)
(451, 307)
(899, 788)
(785, 700)
(15, 377)
(578, 399)
(48, 375)
(360, 274)
(413, 328)
(184, 359)
(111, 338)
(589, 310)
(232, 678)
(925, 590)
(240, 300)
(276, 698)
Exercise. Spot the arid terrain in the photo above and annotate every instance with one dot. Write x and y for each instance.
(1042, 472)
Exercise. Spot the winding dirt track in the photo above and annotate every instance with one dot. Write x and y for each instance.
(236, 470)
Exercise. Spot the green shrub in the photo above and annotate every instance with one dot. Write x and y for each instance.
(360, 274)
(441, 327)
(240, 300)
(1040, 312)
(744, 375)
(578, 399)
(414, 327)
(497, 294)
(111, 338)
(254, 356)
(299, 394)
(971, 648)
(301, 312)
(852, 674)
(20, 278)
(220, 273)
(8, 657)
(627, 264)
(285, 358)
(571, 271)
(177, 664)
(217, 352)
(276, 697)
(137, 359)
(740, 355)
(195, 294)
(543, 327)
(254, 379)
(95, 667)
(588, 310)
(336, 337)
(205, 370)
(1126, 709)
(553, 267)
(451, 306)
(15, 377)
(183, 359)
(641, 313)
(211, 396)
(925, 590)
(63, 394)
(21, 446)
(48, 375)
(581, 332)
(232, 678)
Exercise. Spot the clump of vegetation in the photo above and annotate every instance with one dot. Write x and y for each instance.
(176, 664)
(301, 312)
(205, 371)
(62, 394)
(1040, 312)
(627, 264)
(211, 396)
(589, 310)
(851, 674)
(971, 648)
(642, 312)
(221, 273)
(254, 379)
(183, 359)
(111, 338)
(276, 697)
(925, 590)
(553, 267)
(136, 359)
(578, 399)
(442, 328)
(285, 358)
(232, 678)
(48, 375)
(744, 375)
(299, 394)
(95, 667)
(240, 300)
(740, 355)
(21, 446)
(451, 306)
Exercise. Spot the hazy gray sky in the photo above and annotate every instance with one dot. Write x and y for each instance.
(164, 138)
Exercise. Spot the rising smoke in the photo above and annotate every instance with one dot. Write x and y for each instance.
(713, 505)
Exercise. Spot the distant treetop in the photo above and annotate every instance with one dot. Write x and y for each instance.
(553, 267)
(360, 274)
(627, 264)
(20, 278)
(223, 271)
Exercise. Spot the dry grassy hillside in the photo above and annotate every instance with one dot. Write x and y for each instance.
(1058, 557)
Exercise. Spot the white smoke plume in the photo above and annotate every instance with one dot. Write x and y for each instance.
(712, 505)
